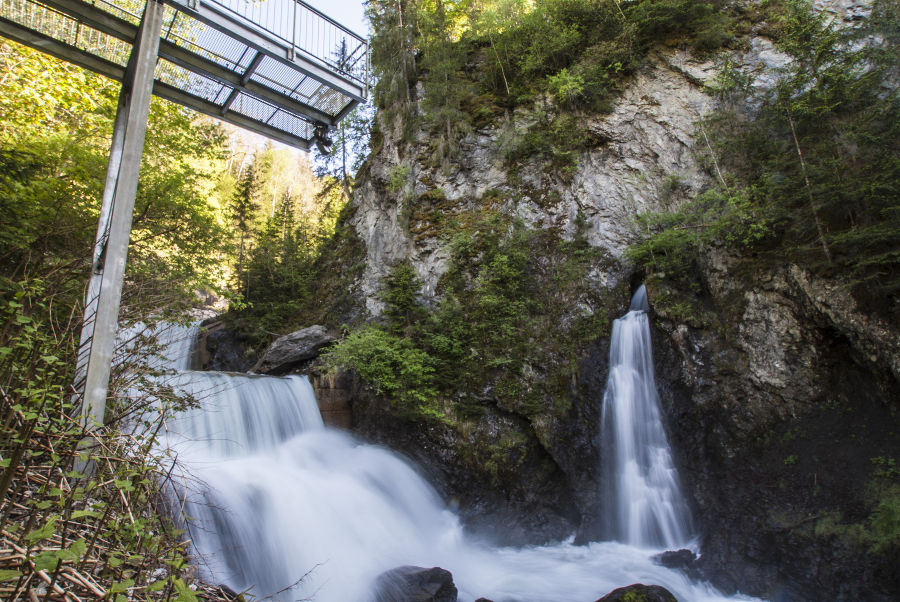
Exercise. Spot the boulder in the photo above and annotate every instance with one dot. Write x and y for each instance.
(639, 593)
(415, 584)
(681, 560)
(292, 349)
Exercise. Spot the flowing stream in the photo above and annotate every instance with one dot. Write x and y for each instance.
(643, 498)
(280, 503)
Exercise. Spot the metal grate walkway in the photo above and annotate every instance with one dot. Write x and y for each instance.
(276, 67)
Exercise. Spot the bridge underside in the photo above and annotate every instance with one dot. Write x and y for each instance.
(276, 67)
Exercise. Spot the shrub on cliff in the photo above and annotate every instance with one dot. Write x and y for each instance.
(392, 365)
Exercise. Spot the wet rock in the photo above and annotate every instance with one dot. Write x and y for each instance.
(291, 350)
(528, 501)
(639, 593)
(223, 350)
(415, 584)
(682, 560)
(776, 407)
(677, 559)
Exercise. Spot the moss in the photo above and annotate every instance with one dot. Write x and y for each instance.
(483, 109)
(672, 302)
(484, 451)
(431, 213)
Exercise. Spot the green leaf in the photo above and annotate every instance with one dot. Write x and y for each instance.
(73, 552)
(82, 513)
(122, 586)
(46, 561)
(184, 592)
(44, 532)
(156, 586)
(9, 575)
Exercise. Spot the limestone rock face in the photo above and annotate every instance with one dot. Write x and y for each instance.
(644, 159)
(778, 399)
(289, 351)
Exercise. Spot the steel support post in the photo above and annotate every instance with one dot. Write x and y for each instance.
(114, 229)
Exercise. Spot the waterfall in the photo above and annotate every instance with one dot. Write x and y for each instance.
(644, 502)
(283, 506)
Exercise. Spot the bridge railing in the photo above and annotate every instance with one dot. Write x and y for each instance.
(297, 25)
(306, 30)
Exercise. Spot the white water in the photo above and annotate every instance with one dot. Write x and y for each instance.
(274, 496)
(644, 502)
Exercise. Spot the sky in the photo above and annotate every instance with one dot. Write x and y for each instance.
(348, 13)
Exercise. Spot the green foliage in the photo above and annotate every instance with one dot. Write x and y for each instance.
(285, 223)
(566, 87)
(53, 162)
(714, 218)
(400, 294)
(880, 531)
(511, 53)
(398, 178)
(505, 288)
(55, 124)
(556, 139)
(812, 176)
(885, 520)
(350, 148)
(703, 24)
(60, 519)
(391, 365)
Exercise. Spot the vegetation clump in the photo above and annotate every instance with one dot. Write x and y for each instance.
(503, 329)
(806, 172)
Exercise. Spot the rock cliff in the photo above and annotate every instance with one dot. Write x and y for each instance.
(781, 394)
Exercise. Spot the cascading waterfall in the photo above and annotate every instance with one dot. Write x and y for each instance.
(644, 502)
(276, 500)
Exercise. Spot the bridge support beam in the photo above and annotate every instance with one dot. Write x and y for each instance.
(104, 296)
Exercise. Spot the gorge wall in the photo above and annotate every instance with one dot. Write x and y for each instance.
(781, 393)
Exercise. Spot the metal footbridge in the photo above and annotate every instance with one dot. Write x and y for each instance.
(276, 67)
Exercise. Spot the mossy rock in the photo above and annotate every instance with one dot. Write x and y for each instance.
(639, 593)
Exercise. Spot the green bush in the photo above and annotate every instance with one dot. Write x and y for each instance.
(392, 365)
(400, 294)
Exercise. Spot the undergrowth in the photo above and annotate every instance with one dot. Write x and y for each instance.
(83, 516)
